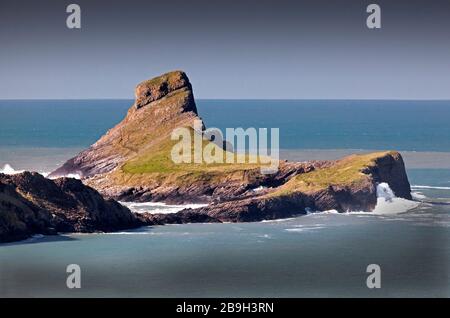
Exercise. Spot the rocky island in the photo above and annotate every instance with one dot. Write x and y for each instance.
(132, 162)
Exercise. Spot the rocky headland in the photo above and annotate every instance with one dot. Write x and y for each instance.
(132, 162)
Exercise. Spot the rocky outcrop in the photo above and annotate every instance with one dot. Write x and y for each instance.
(31, 204)
(132, 162)
(350, 185)
(235, 185)
(161, 104)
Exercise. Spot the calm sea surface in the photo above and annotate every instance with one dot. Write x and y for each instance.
(324, 254)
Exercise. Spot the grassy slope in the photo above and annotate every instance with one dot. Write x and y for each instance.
(345, 172)
(155, 164)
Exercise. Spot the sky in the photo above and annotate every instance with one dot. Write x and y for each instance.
(255, 49)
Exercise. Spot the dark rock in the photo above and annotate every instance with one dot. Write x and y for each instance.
(31, 204)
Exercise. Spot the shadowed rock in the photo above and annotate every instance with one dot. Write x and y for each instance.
(31, 204)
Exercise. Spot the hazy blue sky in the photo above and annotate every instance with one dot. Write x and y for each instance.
(229, 49)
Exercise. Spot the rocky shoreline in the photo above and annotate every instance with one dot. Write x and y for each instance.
(31, 204)
(131, 162)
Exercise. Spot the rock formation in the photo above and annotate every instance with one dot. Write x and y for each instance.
(348, 184)
(31, 204)
(162, 104)
(132, 162)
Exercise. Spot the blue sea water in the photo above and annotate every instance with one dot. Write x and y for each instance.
(323, 254)
(303, 124)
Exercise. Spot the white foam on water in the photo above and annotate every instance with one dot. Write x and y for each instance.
(159, 207)
(304, 228)
(388, 203)
(277, 220)
(127, 233)
(70, 175)
(7, 169)
(428, 187)
(418, 196)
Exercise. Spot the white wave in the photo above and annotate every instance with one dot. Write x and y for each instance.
(385, 192)
(7, 169)
(304, 228)
(277, 220)
(127, 233)
(387, 203)
(312, 213)
(73, 175)
(418, 196)
(70, 175)
(428, 187)
(158, 207)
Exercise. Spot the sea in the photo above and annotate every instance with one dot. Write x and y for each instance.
(321, 254)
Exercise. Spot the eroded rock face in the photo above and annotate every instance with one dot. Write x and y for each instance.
(162, 104)
(155, 89)
(31, 204)
(239, 185)
(391, 169)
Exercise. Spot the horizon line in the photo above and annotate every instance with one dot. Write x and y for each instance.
(238, 99)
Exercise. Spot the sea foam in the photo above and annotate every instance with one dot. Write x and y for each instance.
(428, 187)
(159, 207)
(7, 169)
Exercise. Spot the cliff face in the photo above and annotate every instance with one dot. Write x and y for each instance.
(132, 162)
(31, 204)
(161, 104)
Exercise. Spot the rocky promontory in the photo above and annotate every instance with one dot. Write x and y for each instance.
(349, 184)
(132, 162)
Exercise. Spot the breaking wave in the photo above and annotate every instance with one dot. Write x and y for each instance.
(7, 169)
(159, 207)
(70, 175)
(387, 203)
